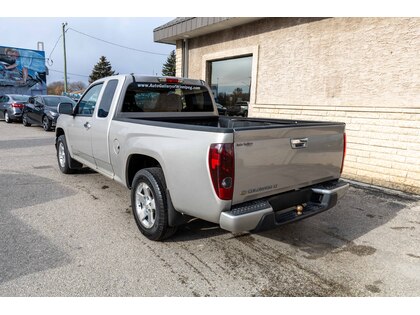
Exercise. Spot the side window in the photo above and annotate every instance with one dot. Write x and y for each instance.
(87, 103)
(107, 98)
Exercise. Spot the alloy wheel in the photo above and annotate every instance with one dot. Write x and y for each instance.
(145, 205)
(61, 154)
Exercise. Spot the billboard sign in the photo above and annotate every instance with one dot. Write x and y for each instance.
(22, 71)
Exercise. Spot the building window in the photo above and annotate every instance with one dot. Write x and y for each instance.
(230, 80)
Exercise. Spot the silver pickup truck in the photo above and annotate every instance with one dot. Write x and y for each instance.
(162, 138)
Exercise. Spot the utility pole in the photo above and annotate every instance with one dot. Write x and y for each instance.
(65, 59)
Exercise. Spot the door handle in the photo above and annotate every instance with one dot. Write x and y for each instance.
(87, 125)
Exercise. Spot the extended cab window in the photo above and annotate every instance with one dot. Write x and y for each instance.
(87, 103)
(107, 98)
(164, 97)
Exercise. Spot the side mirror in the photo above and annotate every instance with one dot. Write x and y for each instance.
(65, 108)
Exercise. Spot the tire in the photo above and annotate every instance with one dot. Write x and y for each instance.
(46, 123)
(7, 118)
(63, 157)
(149, 204)
(25, 120)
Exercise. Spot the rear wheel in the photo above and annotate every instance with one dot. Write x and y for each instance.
(7, 118)
(25, 120)
(149, 203)
(46, 123)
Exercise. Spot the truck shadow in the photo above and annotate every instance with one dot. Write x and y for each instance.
(196, 229)
(359, 212)
(24, 250)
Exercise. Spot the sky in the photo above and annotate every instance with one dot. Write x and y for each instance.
(32, 21)
(84, 52)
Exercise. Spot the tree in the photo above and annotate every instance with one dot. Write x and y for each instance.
(76, 86)
(101, 70)
(236, 95)
(57, 87)
(169, 67)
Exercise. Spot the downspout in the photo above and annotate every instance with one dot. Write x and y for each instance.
(185, 61)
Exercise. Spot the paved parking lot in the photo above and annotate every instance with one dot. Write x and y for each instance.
(75, 235)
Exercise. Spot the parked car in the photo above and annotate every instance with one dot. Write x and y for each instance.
(221, 109)
(11, 106)
(239, 109)
(42, 110)
(167, 143)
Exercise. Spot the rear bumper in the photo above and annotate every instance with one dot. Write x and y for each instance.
(277, 210)
(15, 114)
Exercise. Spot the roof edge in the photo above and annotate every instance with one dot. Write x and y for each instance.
(190, 27)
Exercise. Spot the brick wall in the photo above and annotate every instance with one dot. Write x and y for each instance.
(363, 71)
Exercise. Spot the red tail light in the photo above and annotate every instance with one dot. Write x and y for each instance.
(222, 167)
(344, 151)
(170, 80)
(17, 105)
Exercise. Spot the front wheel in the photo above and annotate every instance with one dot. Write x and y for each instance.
(46, 123)
(149, 203)
(63, 157)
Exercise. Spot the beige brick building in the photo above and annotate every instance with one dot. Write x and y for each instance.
(363, 71)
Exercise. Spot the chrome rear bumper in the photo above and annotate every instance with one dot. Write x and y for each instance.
(273, 211)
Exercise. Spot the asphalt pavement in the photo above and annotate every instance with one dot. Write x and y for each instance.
(74, 235)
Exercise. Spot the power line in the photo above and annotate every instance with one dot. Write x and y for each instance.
(80, 75)
(49, 57)
(118, 45)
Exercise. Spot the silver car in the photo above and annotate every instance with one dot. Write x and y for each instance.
(11, 106)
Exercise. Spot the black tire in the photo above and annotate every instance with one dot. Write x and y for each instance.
(25, 120)
(63, 157)
(46, 123)
(7, 118)
(151, 215)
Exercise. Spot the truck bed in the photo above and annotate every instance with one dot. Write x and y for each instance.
(224, 124)
(266, 160)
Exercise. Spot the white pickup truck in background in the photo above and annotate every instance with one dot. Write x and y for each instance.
(162, 138)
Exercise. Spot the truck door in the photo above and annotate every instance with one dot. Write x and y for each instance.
(80, 129)
(100, 129)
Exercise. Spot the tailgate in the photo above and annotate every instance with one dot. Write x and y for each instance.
(278, 159)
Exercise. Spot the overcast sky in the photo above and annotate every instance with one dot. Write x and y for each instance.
(24, 31)
(83, 52)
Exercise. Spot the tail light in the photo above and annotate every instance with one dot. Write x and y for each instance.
(222, 167)
(344, 152)
(170, 80)
(17, 105)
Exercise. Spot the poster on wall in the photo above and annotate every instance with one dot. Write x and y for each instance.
(22, 71)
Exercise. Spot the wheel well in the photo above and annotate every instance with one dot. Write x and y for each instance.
(58, 132)
(137, 162)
